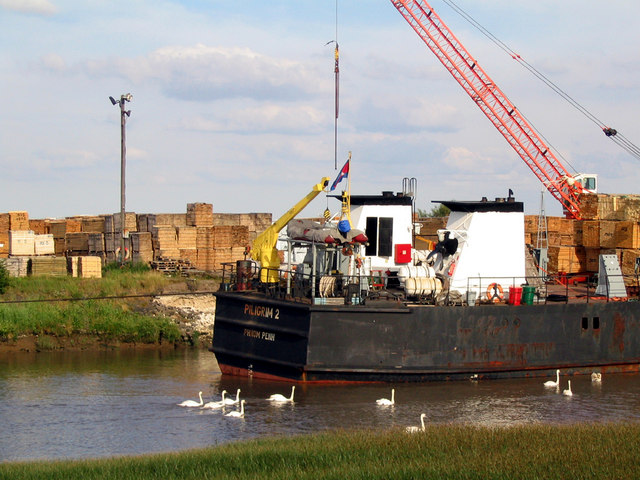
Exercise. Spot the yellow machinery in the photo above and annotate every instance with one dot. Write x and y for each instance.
(263, 248)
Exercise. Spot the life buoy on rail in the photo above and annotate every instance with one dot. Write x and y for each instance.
(126, 253)
(347, 250)
(495, 293)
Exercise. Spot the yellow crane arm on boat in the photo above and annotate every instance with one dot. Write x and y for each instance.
(263, 248)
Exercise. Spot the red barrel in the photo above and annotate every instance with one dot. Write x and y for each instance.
(515, 295)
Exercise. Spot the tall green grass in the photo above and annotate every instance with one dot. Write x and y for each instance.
(441, 452)
(121, 319)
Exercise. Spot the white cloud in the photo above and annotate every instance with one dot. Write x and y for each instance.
(266, 118)
(206, 73)
(37, 7)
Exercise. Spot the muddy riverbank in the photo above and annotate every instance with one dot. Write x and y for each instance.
(191, 306)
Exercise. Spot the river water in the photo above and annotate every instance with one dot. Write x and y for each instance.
(62, 405)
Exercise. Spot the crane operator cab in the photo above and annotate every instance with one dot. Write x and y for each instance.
(589, 181)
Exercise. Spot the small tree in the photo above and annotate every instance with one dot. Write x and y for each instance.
(438, 211)
(4, 277)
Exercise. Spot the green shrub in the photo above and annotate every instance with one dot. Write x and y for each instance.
(4, 277)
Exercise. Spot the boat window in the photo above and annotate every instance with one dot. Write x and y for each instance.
(371, 231)
(585, 323)
(385, 237)
(596, 323)
(379, 230)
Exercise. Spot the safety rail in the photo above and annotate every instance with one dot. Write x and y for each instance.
(306, 287)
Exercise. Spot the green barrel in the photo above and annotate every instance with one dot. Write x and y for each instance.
(528, 293)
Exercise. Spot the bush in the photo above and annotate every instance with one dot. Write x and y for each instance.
(4, 277)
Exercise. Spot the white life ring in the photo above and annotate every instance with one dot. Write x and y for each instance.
(126, 253)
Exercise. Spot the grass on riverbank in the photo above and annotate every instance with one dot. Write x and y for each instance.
(124, 320)
(452, 452)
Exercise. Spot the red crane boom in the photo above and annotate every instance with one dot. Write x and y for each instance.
(493, 102)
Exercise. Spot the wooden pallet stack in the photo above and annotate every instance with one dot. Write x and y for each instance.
(173, 266)
(51, 266)
(199, 214)
(610, 225)
(89, 267)
(141, 247)
(76, 243)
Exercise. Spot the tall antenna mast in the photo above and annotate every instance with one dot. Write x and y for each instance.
(337, 96)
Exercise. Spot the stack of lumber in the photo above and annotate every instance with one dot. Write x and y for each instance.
(256, 223)
(112, 223)
(211, 259)
(199, 214)
(59, 230)
(44, 244)
(89, 267)
(4, 243)
(22, 242)
(18, 220)
(187, 237)
(575, 246)
(172, 266)
(429, 227)
(610, 207)
(76, 244)
(17, 266)
(165, 241)
(39, 226)
(146, 221)
(54, 266)
(92, 224)
(141, 247)
(95, 244)
(220, 244)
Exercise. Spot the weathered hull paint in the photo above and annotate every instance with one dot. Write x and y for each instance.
(312, 343)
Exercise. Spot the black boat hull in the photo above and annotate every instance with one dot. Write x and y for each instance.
(290, 341)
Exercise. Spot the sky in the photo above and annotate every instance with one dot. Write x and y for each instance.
(233, 102)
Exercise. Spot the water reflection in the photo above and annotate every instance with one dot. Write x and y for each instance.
(92, 404)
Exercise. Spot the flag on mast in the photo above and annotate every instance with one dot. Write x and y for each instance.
(344, 172)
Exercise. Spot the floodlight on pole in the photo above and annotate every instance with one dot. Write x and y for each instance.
(123, 155)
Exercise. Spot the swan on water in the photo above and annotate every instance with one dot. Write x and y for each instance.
(551, 383)
(231, 401)
(596, 377)
(414, 429)
(386, 401)
(219, 404)
(568, 391)
(276, 397)
(237, 413)
(192, 403)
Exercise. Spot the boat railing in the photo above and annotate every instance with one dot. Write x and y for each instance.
(562, 288)
(337, 288)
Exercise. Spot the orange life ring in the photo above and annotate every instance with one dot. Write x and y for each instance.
(347, 250)
(495, 293)
(126, 253)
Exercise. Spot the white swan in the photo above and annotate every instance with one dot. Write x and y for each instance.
(551, 383)
(231, 401)
(237, 413)
(596, 377)
(276, 397)
(414, 429)
(219, 404)
(192, 403)
(386, 401)
(568, 391)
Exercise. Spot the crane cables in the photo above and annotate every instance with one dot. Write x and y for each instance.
(617, 137)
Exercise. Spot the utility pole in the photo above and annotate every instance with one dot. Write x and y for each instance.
(123, 162)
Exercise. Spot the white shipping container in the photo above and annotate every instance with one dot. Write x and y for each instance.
(21, 242)
(44, 244)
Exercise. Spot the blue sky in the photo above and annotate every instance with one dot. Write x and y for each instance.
(233, 101)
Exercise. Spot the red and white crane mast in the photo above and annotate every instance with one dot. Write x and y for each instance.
(493, 102)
